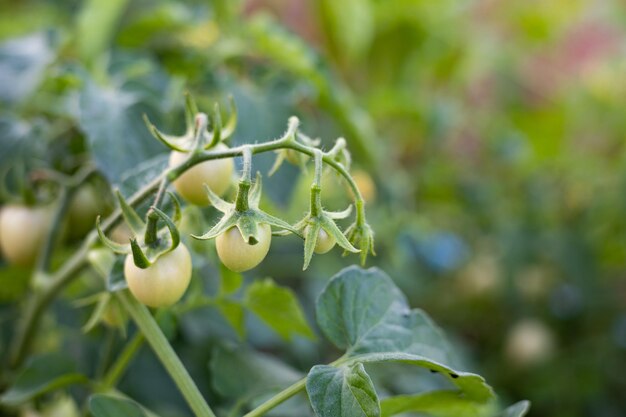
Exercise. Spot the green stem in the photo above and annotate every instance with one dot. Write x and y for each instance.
(116, 371)
(287, 393)
(164, 351)
(278, 399)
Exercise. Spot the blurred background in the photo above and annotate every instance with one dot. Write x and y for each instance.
(488, 137)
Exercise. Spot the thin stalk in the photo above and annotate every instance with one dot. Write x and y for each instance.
(116, 371)
(164, 351)
(286, 394)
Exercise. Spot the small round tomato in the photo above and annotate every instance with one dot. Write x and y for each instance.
(237, 254)
(22, 232)
(217, 174)
(365, 184)
(324, 242)
(164, 282)
(84, 207)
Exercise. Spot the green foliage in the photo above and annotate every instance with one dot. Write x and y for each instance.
(43, 374)
(102, 405)
(278, 307)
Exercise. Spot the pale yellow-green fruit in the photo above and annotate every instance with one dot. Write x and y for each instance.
(22, 232)
(164, 282)
(217, 174)
(236, 254)
(324, 242)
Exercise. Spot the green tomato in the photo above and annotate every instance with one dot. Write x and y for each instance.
(84, 207)
(217, 174)
(324, 242)
(236, 254)
(23, 230)
(164, 282)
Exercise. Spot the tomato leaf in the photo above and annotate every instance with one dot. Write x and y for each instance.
(42, 374)
(263, 373)
(278, 307)
(342, 392)
(102, 405)
(443, 403)
(363, 312)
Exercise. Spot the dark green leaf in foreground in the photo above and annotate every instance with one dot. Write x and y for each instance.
(363, 312)
(102, 405)
(345, 391)
(41, 375)
(278, 307)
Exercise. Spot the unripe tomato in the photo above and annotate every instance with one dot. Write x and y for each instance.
(84, 207)
(162, 283)
(237, 254)
(365, 184)
(217, 174)
(22, 232)
(324, 242)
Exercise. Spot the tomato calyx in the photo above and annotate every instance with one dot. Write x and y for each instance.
(148, 242)
(318, 219)
(244, 213)
(197, 137)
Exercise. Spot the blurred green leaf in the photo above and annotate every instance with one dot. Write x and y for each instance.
(516, 410)
(278, 307)
(103, 405)
(349, 24)
(263, 373)
(42, 374)
(342, 392)
(97, 22)
(23, 62)
(234, 313)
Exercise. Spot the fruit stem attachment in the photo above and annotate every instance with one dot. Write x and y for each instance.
(241, 201)
(164, 351)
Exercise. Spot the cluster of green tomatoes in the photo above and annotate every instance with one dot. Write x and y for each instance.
(158, 267)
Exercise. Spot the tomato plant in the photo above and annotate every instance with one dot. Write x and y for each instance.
(199, 263)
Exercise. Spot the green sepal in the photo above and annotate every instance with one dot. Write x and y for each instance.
(361, 236)
(333, 230)
(248, 227)
(178, 215)
(167, 140)
(310, 239)
(263, 217)
(338, 215)
(231, 125)
(216, 128)
(254, 197)
(114, 246)
(278, 162)
(225, 223)
(175, 236)
(140, 259)
(131, 217)
(191, 109)
(102, 301)
(216, 201)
